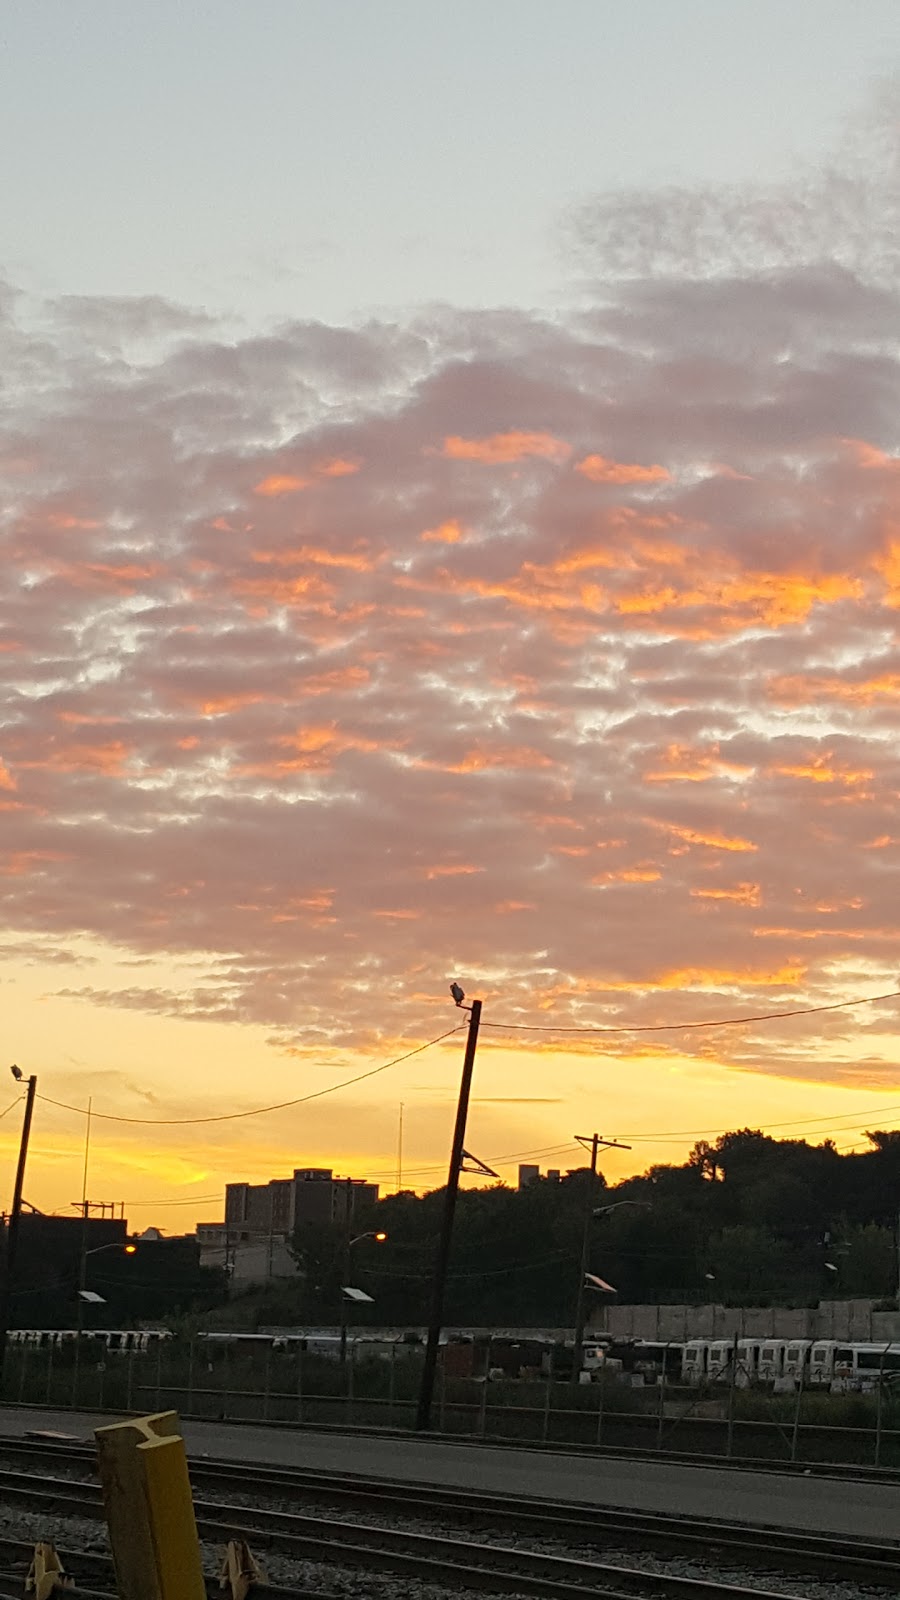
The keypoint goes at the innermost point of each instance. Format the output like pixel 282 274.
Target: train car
pixel 821 1362
pixel 747 1370
pixel 693 1361
pixel 771 1360
pixel 863 1367
pixel 795 1366
pixel 718 1360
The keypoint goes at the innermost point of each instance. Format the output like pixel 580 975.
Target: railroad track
pixel 587 1526
pixel 492 1567
pixel 95 1579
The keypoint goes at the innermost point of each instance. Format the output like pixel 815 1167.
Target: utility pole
pixel 439 1287
pixel 12 1226
pixel 593 1144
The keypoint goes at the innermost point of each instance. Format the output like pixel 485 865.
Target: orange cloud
pixel 801 688
pixel 22 863
pixel 498 449
pixel 337 467
pixel 681 764
pixel 280 483
pixel 109 759
pixel 629 875
pixel 778 599
pixel 446 533
pixel 460 871
pixel 743 894
pixel 481 759
pixel 220 705
pixel 820 770
pixel 711 840
pixel 599 470
pixel 7 781
pixel 504 908
pixel 728 977
pixel 317 556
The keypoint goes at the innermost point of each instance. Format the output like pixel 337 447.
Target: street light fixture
pixel 348 1293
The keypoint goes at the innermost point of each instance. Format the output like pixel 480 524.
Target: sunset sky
pixel 450 514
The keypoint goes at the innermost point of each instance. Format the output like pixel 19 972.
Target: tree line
pixel 748 1220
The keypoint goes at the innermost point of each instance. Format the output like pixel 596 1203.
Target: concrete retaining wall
pixel 855 1320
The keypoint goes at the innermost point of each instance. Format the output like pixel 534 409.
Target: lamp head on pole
pixel 16 1072
pixel 458 993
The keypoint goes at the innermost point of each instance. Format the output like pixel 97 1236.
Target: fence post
pixel 129 1382
pixel 878 1407
pixel 267 1383
pixel 190 1376
pixel 600 1398
pixel 442 1396
pixel 482 1420
pixel 76 1388
pixel 149 1509
pixel 226 1380
pixel 548 1397
pixel 300 1381
pixel 661 1414
pixel 795 1432
pixel 351 1374
pixel 392 1385
pixel 729 1441
pixel 49 1389
pixel 23 1368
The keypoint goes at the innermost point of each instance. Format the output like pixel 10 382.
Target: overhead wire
pixel 797 1122
pixel 254 1111
pixel 10 1106
pixel 674 1027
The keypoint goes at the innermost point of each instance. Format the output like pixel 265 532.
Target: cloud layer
pixel 559 654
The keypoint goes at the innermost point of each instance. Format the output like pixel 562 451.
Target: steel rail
pixel 488 1566
pixel 767 1548
pixel 95 1576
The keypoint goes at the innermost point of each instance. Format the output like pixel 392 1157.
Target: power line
pixel 256 1111
pixel 10 1106
pixel 668 1027
pixel 798 1122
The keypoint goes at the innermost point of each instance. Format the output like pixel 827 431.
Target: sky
pixel 449 512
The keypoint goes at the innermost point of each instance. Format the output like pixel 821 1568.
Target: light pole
pixel 15 1216
pixel 127 1249
pixel 345 1273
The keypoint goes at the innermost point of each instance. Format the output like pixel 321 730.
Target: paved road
pixel 768 1498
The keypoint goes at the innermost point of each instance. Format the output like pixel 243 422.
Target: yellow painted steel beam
pixel 150 1510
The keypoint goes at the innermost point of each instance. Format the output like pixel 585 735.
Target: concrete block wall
pixel 851 1320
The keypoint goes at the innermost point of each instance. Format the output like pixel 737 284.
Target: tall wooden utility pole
pixel 12 1226
pixel 593 1144
pixel 426 1392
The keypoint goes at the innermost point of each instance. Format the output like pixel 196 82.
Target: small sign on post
pixel 150 1510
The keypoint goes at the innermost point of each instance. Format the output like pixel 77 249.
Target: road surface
pixel 862 1509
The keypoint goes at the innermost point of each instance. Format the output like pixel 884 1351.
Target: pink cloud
pixel 353 702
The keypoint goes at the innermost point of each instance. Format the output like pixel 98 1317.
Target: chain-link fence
pixel 644 1412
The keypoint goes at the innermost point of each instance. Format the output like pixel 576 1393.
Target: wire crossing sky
pixel 450 529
